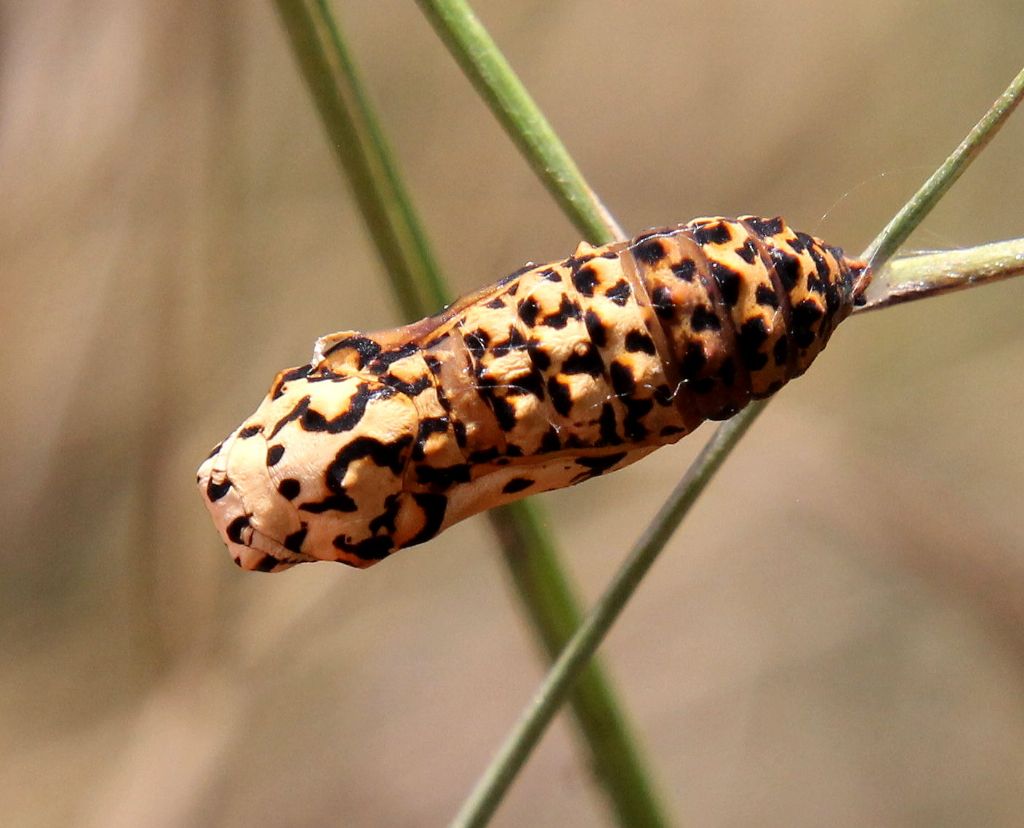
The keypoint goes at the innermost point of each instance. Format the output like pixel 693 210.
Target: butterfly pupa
pixel 553 375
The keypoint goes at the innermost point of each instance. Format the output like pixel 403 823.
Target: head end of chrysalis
pixel 235 491
pixel 316 473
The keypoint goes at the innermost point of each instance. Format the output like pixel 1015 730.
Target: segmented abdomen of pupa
pixel 553 375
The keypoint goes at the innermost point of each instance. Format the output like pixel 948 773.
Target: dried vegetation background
pixel 836 637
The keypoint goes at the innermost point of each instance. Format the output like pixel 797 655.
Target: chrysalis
pixel 554 375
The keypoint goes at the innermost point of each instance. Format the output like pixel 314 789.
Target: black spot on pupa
pixel 622 379
pixel 528 311
pixel 685 270
pixel 337 502
pixel 495 304
pixel 274 454
pixel 287 376
pixel 661 301
pixel 391 456
pixel 574 441
pixel 632 424
pixel 787 267
pixel 781 351
pixel 750 337
pixel 411 389
pixel 444 477
pixel 234 529
pixel 370 549
pixel 650 252
pixel 385 359
pixel 289 488
pixel 764 227
pixel 585 280
pixel 434 507
pixel 639 342
pixel 312 420
pixel 515 342
pixel 386 521
pixel 586 361
pixel 483 455
pixel 433 363
pixel 428 426
pixel 716 233
pixel 596 329
pixel 516 484
pixel 693 361
pixel 597 465
pixel 362 345
pixel 515 274
pixel 476 342
pixel 704 318
pixel 566 310
pixel 805 315
pixel 663 395
pixel 293 542
pixel 766 296
pixel 607 426
pixel 728 280
pixel 249 431
pixel 619 293
pixel 561 398
pixel 539 356
pixel 530 383
pixel 215 491
pixel 550 442
pixel 504 412
pixel 266 564
pixel 747 251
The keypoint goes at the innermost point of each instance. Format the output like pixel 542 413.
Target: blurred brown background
pixel 836 636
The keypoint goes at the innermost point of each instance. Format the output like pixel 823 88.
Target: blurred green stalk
pixel 528 549
pixel 356 138
pixel 520 742
pixel 910 278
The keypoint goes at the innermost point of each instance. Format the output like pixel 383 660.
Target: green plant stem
pixel 910 278
pixel 485 798
pixel 528 549
pixel 364 155
pixel 496 82
pixel 616 761
pixel 525 735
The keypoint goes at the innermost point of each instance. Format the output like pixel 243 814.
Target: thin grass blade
pixel 514 107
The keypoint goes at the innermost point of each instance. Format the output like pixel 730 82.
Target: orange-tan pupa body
pixel 553 375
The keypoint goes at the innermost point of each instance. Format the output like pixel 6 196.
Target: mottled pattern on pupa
pixel 553 375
